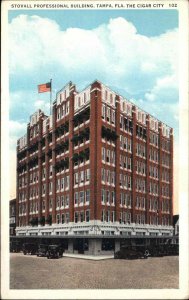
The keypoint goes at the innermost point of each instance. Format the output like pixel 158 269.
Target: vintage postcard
pixel 94 156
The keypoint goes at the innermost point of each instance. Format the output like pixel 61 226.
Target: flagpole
pixel 51 98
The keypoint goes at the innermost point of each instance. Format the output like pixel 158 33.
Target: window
pixel 43 173
pixel 108 155
pixel 81 197
pixel 103 196
pixel 62 183
pixel 50 187
pixel 43 189
pixel 113 216
pixel 107 197
pixel 87 175
pixel 113 197
pixel 58 219
pixel 113 157
pixel 57 202
pixel 113 178
pixel 108 176
pixel 103 112
pixel 76 216
pixel 58 185
pixel 87 215
pixel 76 178
pixel 103 216
pixel 63 219
pixel 67 200
pixel 76 197
pixel 62 201
pixel 87 196
pixel 103 154
pixel 103 174
pixel 108 114
pixel 82 216
pixel 113 117
pixel 50 203
pixel 81 176
pixel 67 217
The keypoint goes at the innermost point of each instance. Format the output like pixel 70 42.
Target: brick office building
pixel 98 166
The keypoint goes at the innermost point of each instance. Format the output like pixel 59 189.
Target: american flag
pixel 45 87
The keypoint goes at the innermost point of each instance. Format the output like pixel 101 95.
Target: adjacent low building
pixel 98 166
pixel 12 217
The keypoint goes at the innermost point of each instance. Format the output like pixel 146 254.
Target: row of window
pixel 141 150
pixel 154 188
pixel 63 110
pixel 108 114
pixel 165 190
pixel 166 145
pixel 125 162
pixel 165 175
pixel 107 197
pixel 82 177
pixel 125 199
pixel 108 155
pixel 165 159
pixel 141 167
pixel 140 185
pixel 34 131
pixel 154 172
pixel 154 139
pixel 126 124
pixel 61 201
pixel 62 184
pixel 125 217
pixel 82 216
pixel 107 216
pixel 125 181
pixel 108 176
pixel 140 202
pixel 125 143
pixel 82 197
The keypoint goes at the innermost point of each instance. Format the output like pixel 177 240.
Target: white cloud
pixel 114 50
pixel 16 130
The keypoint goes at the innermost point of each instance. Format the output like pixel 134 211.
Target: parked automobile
pixel 42 250
pixel 156 251
pixel 15 246
pixel 130 252
pixel 54 251
pixel 29 248
pixel 171 249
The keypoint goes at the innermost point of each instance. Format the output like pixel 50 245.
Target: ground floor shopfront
pixel 92 245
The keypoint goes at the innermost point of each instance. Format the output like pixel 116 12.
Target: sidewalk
pixel 90 257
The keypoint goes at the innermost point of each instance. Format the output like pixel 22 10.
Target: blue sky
pixel 147 22
pixel 134 52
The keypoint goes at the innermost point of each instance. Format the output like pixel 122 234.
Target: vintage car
pixel 42 250
pixel 29 248
pixel 54 251
pixel 15 246
pixel 156 250
pixel 130 252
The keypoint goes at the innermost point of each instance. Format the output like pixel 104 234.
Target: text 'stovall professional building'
pixel 98 166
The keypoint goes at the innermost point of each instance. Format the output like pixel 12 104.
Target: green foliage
pixel 49 219
pixel 109 134
pixel 42 221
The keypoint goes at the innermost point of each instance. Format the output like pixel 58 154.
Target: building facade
pixel 12 217
pixel 99 165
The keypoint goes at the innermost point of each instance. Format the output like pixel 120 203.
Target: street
pixel 32 272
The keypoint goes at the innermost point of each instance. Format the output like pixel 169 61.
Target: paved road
pixel 32 272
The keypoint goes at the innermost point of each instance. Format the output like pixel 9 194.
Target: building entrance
pixel 81 245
